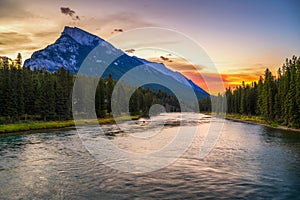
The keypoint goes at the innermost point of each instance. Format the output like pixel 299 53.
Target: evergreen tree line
pixel 275 98
pixel 34 95
pixel 139 103
pixel 39 95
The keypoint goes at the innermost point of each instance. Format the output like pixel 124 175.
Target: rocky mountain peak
pixel 80 36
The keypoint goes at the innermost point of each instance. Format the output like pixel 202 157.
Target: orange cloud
pixel 177 64
pixel 233 80
pixel 212 83
pixel 164 58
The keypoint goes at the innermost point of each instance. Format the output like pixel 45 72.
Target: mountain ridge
pixel 74 45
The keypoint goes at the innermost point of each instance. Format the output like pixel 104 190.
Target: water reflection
pixel 249 161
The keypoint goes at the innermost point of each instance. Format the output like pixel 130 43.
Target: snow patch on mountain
pixel 81 36
pixel 74 45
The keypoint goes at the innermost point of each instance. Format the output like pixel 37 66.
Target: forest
pixel 276 98
pixel 39 95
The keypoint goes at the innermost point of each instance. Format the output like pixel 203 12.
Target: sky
pixel 242 38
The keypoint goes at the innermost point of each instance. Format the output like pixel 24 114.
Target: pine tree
pixel 260 97
pixel 100 99
pixel 243 99
pixel 134 104
pixel 29 94
pixel 291 105
pixel 60 101
pixel 1 88
pixel 109 90
pixel 20 92
pixel 62 93
pixel 8 101
pixel 46 100
pixel 19 60
pixel 119 101
pixel 297 96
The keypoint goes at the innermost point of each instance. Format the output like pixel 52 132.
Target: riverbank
pixel 257 120
pixel 40 125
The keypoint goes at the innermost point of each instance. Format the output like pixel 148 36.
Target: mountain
pixel 73 46
pixel 68 51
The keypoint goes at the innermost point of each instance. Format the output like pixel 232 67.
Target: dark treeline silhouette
pixel 39 95
pixel 275 98
pixel 33 95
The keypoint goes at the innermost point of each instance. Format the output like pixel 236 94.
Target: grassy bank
pixel 41 125
pixel 257 120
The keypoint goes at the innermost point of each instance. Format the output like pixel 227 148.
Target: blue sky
pixel 241 37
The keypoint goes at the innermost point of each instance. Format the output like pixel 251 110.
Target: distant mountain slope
pixel 74 44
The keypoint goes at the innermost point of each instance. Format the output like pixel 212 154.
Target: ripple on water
pixel 247 163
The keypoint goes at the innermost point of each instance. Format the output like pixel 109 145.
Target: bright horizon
pixel 242 38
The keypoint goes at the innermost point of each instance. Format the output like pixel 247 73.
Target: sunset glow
pixel 241 38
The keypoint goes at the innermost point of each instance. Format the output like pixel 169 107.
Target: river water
pixel 247 162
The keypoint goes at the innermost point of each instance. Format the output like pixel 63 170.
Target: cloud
pixel 130 50
pixel 164 58
pixel 69 12
pixel 236 79
pixel 178 64
pixel 193 72
pixel 214 81
pixel 118 30
pixel 15 9
pixel 13 38
pixel 46 33
pixel 13 42
pixel 109 22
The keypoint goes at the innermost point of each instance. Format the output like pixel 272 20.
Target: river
pixel 247 162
